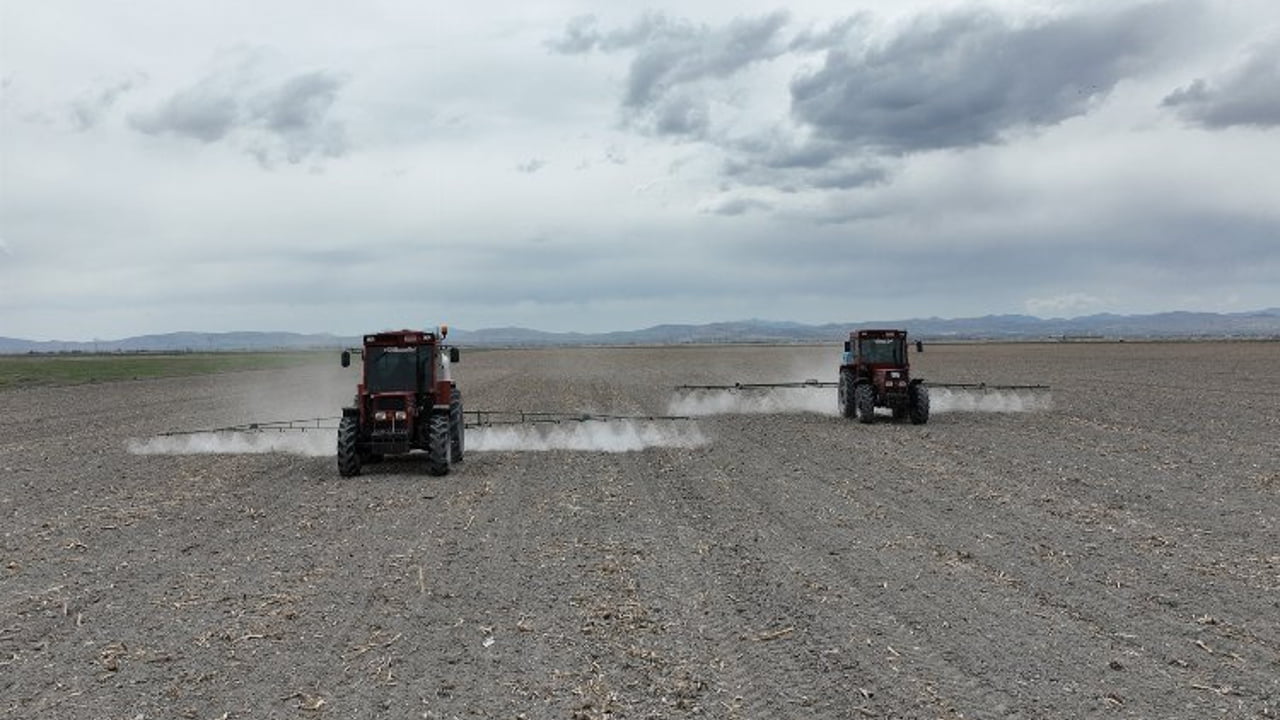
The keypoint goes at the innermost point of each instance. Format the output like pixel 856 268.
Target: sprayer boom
pixel 323 423
pixel 488 418
pixel 473 419
pixel 819 384
pixel 987 386
pixel 761 386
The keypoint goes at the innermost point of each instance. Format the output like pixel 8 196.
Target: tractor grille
pixel 388 403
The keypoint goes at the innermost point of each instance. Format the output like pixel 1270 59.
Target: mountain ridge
pixel 1180 324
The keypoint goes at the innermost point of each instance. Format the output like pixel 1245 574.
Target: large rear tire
pixel 919 404
pixel 439 447
pixel 457 425
pixel 348 450
pixel 865 398
pixel 845 403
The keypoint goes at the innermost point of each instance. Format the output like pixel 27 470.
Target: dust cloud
pixel 823 401
pixel 772 401
pixel 942 400
pixel 597 436
pixel 309 444
pixel 600 436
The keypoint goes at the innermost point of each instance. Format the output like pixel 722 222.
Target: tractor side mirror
pixel 346 358
pixel 454 355
pixel 848 346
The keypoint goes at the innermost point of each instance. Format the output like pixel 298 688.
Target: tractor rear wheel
pixel 845 404
pixel 439 448
pixel 919 404
pixel 457 425
pixel 865 398
pixel 348 452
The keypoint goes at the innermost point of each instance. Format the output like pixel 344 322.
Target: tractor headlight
pixel 380 415
pixel 401 415
pixel 895 375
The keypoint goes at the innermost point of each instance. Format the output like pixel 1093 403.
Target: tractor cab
pixel 877 348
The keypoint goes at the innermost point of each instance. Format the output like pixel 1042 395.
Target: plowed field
pixel 1115 554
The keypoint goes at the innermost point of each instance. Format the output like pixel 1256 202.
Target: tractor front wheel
pixel 348 452
pixel 439 447
pixel 919 404
pixel 864 397
pixel 846 405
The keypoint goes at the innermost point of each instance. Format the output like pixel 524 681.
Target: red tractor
pixel 405 401
pixel 874 372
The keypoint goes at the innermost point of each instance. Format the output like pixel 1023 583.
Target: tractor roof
pixel 877 333
pixel 400 338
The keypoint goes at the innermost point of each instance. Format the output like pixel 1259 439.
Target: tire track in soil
pixel 530 592
pixel 123 579
pixel 739 619
pixel 1112 544
pixel 557 549
pixel 995 600
pixel 843 651
pixel 1097 608
pixel 638 668
pixel 1131 524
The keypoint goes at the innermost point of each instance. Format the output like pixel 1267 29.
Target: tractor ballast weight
pixel 405 401
pixel 875 373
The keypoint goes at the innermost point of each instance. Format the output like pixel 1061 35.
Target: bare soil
pixel 1115 556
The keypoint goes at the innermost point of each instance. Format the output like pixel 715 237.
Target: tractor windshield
pixel 880 351
pixel 391 369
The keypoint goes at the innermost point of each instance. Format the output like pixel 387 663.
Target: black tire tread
pixel 439 449
pixel 865 398
pixel 846 404
pixel 348 446
pixel 919 411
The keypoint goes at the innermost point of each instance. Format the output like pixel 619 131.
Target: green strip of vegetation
pixel 77 369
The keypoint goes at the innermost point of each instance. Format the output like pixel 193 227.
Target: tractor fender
pixel 350 412
pixel 916 381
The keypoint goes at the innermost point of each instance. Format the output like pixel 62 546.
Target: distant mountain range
pixel 1170 325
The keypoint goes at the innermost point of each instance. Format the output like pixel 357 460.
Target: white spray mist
pixel 772 401
pixel 598 436
pixel 309 444
pixel 942 400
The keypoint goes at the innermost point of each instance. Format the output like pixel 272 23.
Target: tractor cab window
pixel 886 351
pixel 391 369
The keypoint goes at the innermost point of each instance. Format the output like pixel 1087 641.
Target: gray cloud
pixel 941 81
pixel 203 112
pixel 299 104
pixel 296 112
pixel 968 78
pixel 531 166
pixel 779 160
pixel 580 36
pixel 837 34
pixel 89 109
pixel 670 56
pixel 1247 95
pixel 288 120
pixel 738 206
pixel 682 115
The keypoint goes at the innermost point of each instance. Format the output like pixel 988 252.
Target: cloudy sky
pixel 330 166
